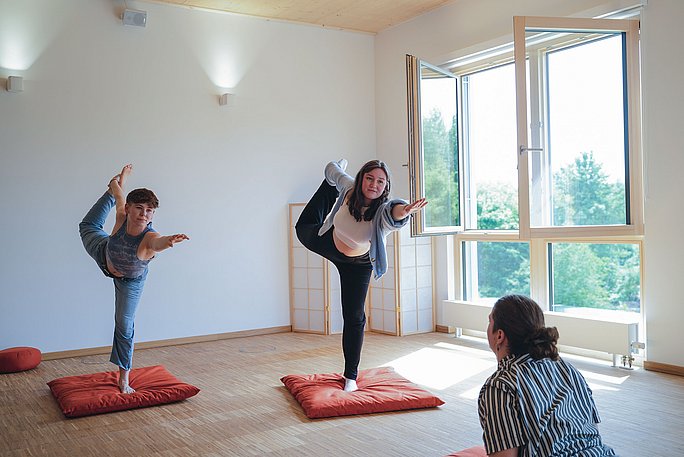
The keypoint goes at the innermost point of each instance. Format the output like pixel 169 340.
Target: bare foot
pixel 116 190
pixel 113 183
pixel 125 171
pixel 117 182
pixel 124 387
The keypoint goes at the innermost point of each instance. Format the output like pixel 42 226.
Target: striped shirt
pixel 542 407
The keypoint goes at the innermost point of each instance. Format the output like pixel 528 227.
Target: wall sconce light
pixel 15 84
pixel 134 17
pixel 226 99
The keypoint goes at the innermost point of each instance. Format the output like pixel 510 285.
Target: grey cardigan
pixel 382 223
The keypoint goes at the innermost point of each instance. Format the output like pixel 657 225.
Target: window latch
pixel 523 149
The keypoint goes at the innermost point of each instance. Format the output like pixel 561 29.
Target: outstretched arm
pixel 402 211
pixel 161 243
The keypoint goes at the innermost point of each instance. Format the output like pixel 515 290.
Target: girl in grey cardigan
pixel 346 221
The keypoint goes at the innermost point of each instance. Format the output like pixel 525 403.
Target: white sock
pixel 331 173
pixel 350 385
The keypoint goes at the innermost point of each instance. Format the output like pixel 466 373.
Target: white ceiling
pixel 369 16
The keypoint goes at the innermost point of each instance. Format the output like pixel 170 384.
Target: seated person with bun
pixel 535 404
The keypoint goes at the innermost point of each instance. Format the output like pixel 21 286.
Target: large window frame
pixel 538 237
pixel 630 28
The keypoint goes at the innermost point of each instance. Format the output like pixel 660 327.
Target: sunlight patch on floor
pixel 479 352
pixel 438 368
pixel 595 387
pixel 471 394
pixel 603 378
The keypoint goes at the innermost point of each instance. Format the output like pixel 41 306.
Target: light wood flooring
pixel 243 409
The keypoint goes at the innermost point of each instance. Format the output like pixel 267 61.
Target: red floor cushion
pixel 19 359
pixel 380 390
pixel 477 451
pixel 99 392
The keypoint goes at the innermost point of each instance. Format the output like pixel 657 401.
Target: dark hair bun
pixel 542 343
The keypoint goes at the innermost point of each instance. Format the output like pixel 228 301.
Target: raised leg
pixel 91 227
pixel 319 205
pixel 312 217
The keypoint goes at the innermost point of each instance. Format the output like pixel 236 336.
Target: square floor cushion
pixel 477 451
pixel 380 390
pixel 99 392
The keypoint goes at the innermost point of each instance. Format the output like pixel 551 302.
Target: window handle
pixel 523 149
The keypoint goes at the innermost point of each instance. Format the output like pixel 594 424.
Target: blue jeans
pixel 355 273
pixel 127 291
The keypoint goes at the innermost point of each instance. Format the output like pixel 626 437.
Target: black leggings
pixel 355 273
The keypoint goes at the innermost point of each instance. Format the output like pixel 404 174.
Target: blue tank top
pixel 122 251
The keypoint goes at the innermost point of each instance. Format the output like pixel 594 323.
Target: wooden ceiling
pixel 369 16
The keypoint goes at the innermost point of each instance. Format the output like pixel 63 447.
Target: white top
pixel 353 233
pixel 382 224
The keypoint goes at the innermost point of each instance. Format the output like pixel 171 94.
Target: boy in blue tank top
pixel 123 256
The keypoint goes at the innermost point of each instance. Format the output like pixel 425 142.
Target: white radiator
pixel 617 338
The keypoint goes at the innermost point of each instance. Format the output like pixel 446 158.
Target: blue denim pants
pixel 127 291
pixel 355 273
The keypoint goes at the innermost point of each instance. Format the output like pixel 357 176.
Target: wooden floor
pixel 243 409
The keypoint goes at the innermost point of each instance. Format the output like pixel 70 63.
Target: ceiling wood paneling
pixel 370 16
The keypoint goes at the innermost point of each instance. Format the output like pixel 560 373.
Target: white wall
pixel 464 26
pixel 99 94
pixel 663 99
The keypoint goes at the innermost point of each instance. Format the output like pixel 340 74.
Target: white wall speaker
pixel 134 17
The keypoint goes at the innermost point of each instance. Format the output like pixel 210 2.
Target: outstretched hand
pixel 177 238
pixel 159 243
pixel 400 212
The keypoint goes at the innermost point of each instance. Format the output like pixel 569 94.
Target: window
pixel 489 136
pixel 587 151
pixel 578 127
pixel 434 116
pixel 530 155
pixel 597 279
pixel 496 269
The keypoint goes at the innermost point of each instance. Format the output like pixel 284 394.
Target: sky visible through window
pixel 586 105
pixel 586 111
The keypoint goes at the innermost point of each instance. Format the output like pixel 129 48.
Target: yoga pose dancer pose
pixel 124 256
pixel 346 221
pixel 535 404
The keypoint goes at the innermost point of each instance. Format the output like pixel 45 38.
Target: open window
pixel 530 155
pixel 562 152
pixel 433 139
pixel 578 127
